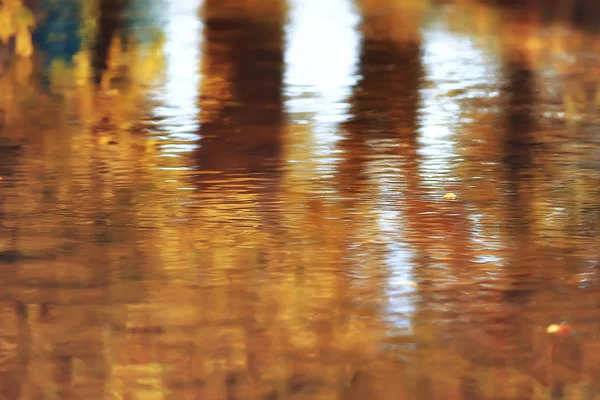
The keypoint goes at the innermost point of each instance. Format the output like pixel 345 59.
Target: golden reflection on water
pixel 253 208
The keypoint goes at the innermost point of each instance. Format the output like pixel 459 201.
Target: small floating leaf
pixel 553 328
pixel 562 329
pixel 449 196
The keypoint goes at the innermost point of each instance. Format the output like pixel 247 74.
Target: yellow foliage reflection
pixel 17 20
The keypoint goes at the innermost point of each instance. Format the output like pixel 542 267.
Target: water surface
pixel 247 202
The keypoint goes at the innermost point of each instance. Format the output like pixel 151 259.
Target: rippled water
pixel 249 204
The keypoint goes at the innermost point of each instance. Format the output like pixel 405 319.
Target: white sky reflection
pixel 179 95
pixel 322 48
pixel 451 61
pixel 321 55
pixel 398 257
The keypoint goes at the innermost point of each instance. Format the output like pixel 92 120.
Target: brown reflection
pixel 391 20
pixel 384 105
pixel 533 157
pixel 219 332
pixel 384 108
pixel 586 13
pixel 240 94
pixel 518 161
pixel 518 143
pixel 385 101
pixel 110 20
pixel 382 133
pixel 581 13
pixel 15 349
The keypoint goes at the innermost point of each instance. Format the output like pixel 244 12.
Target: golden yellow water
pixel 303 200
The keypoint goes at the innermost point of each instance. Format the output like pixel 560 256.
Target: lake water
pixel 252 200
